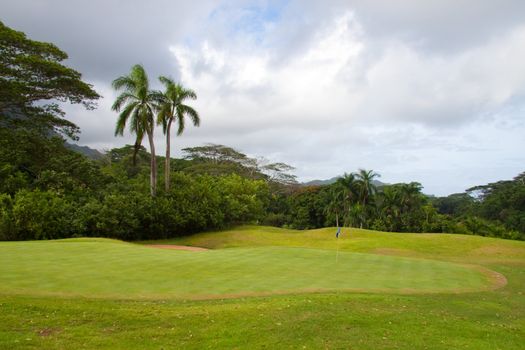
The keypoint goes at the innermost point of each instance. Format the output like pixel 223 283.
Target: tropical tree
pixel 411 196
pixel 367 188
pixel 336 202
pixel 389 207
pixel 136 105
pixel 32 80
pixel 367 191
pixel 401 207
pixel 357 215
pixel 345 186
pixel 172 108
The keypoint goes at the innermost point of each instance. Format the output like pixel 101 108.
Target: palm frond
pixel 123 118
pixel 181 124
pixel 121 100
pixel 164 116
pixel 167 81
pixel 157 98
pixel 184 110
pixel 138 74
pixel 135 125
pixel 171 105
pixel 187 94
pixel 124 83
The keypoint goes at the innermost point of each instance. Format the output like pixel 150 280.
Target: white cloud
pixel 343 102
pixel 407 85
pixel 429 91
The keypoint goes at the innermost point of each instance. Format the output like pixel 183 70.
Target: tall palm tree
pixel 136 105
pixel 367 189
pixel 172 108
pixel 365 179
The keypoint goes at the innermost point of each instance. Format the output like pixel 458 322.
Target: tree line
pixel 354 200
pixel 49 191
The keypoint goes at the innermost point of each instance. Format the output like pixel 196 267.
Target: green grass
pixel 115 295
pixel 436 246
pixel 117 270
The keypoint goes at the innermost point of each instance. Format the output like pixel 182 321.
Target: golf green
pixel 112 269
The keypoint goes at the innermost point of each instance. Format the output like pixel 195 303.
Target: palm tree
pixel 137 103
pixel 139 132
pixel 365 179
pixel 357 214
pixel 172 109
pixel 347 186
pixel 336 201
pixel 367 189
pixel 389 207
pixel 410 195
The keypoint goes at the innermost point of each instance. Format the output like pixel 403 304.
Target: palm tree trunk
pixel 153 172
pixel 135 151
pixel 167 168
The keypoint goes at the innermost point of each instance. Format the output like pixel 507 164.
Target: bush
pixel 241 199
pixel 42 215
pixel 275 219
pixel 117 215
pixel 7 227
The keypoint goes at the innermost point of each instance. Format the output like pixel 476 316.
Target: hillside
pixel 452 247
pixel 85 150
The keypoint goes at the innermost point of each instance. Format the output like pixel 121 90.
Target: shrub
pixel 42 215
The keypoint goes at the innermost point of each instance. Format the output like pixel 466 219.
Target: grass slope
pixel 478 320
pixel 435 246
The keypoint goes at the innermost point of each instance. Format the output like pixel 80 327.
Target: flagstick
pixel 337 254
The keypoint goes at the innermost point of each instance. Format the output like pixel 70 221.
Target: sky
pixel 427 91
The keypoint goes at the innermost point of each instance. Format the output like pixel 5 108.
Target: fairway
pixel 113 269
pixel 263 287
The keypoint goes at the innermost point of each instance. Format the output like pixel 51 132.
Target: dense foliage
pixel 32 79
pixel 55 192
pixel 49 191
pixel 495 210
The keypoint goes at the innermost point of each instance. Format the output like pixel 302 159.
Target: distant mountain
pixel 377 183
pixel 17 115
pixel 85 150
pixel 321 182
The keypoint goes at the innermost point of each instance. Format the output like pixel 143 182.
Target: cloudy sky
pixel 428 91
